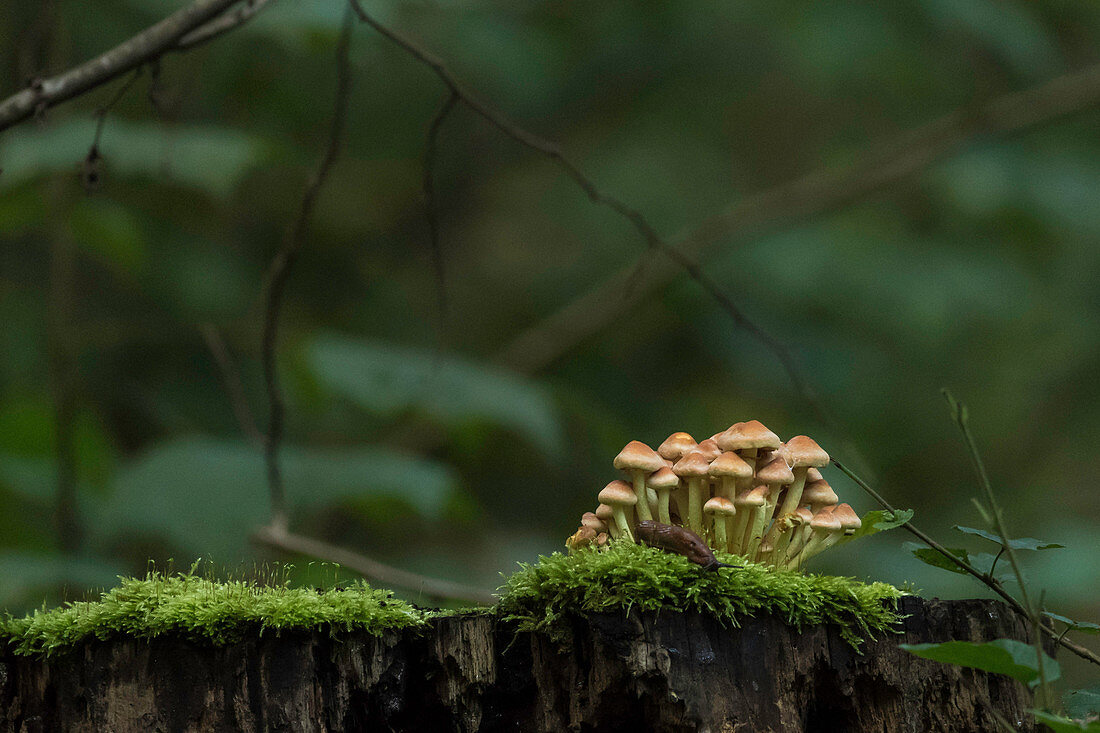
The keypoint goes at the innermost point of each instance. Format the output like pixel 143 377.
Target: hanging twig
pixel 430 211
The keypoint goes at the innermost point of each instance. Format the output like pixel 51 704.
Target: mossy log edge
pixel 471 672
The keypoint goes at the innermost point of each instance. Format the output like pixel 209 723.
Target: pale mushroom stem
pixel 721 539
pixel 790 503
pixel 622 522
pixel 754 535
pixel 663 513
pixel 642 507
pixel 737 534
pixel 695 504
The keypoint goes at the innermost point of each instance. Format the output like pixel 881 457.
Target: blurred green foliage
pixel 981 274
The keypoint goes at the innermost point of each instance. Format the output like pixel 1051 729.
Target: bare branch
pixel 279 272
pixel 231 381
pixel 372 569
pixel 221 24
pixel 136 51
pixel 814 194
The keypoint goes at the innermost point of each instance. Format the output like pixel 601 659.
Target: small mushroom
pixel 693 469
pixel 663 481
pixel 824 525
pixel 747 438
pixel 639 460
pixel 775 474
pixel 675 446
pixel 802 454
pixel 607 515
pixel 730 469
pixel 583 537
pixel 590 520
pixel 750 506
pixel 620 497
pixel 799 536
pixel 722 510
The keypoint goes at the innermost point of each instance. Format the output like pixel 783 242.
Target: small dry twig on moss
pixel 279 272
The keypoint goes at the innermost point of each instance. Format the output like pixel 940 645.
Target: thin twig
pixel 430 211
pixel 279 272
pixel 149 44
pixel 222 24
pixel 93 160
pixel 819 192
pixel 990 582
pixel 231 381
pixel 597 196
pixel 386 574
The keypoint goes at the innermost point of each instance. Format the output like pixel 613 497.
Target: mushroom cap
pixel 776 471
pixel 824 519
pixel 709 448
pixel 804 451
pixel 756 497
pixel 602 539
pixel 692 465
pixel 812 474
pixel 590 520
pixel 581 538
pixel 767 455
pixel 618 493
pixel 847 517
pixel 605 513
pixel 819 492
pixel 663 478
pixel 639 457
pixel 804 514
pixel 676 445
pixel 730 464
pixel 720 506
pixel 745 435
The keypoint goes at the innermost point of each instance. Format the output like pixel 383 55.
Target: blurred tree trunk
pixel 670 672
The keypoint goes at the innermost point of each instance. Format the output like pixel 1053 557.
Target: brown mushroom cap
pixel 747 435
pixel 756 497
pixel 618 493
pixel 638 456
pixel 819 493
pixel 590 520
pixel 709 448
pixel 663 478
pixel 774 472
pixel 581 538
pixel 804 451
pixel 846 515
pixel 605 514
pixel 804 515
pixel 825 520
pixel 730 464
pixel 720 506
pixel 812 474
pixel 692 465
pixel 675 446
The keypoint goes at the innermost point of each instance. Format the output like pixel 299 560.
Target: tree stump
pixel 471 672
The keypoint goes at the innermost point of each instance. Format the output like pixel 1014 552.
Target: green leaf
pixel 878 520
pixel 210 159
pixel 387 380
pixel 1087 627
pixel 1062 724
pixel 934 558
pixel 1082 703
pixel 1024 543
pixel 206 495
pixel 1001 656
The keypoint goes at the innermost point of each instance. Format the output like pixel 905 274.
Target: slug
pixel 679 540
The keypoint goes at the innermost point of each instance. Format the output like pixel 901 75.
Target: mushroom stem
pixel 721 539
pixel 695 504
pixel 642 507
pixel 754 536
pixel 663 514
pixel 622 523
pixel 790 503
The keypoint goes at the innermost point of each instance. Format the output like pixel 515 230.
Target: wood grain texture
pixel 672 672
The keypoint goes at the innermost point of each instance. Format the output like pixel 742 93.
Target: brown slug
pixel 678 540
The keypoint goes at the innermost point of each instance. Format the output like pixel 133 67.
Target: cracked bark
pixel 667 672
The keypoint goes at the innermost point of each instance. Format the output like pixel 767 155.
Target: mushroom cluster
pixel 743 490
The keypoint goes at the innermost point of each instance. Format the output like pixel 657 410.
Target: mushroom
pixel 619 496
pixel 709 448
pixel 748 438
pixel 849 522
pixel 824 525
pixel 802 454
pixel 775 473
pixel 607 515
pixel 731 470
pixel 750 505
pixel 602 539
pixel 639 460
pixel 663 481
pixel 675 446
pixel 722 510
pixel 693 468
pixel 798 537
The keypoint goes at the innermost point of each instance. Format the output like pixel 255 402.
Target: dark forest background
pixel 409 438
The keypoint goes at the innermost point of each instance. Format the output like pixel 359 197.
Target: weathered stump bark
pixel 670 672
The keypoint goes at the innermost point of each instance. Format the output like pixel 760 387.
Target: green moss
pixel 540 597
pixel 206 611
